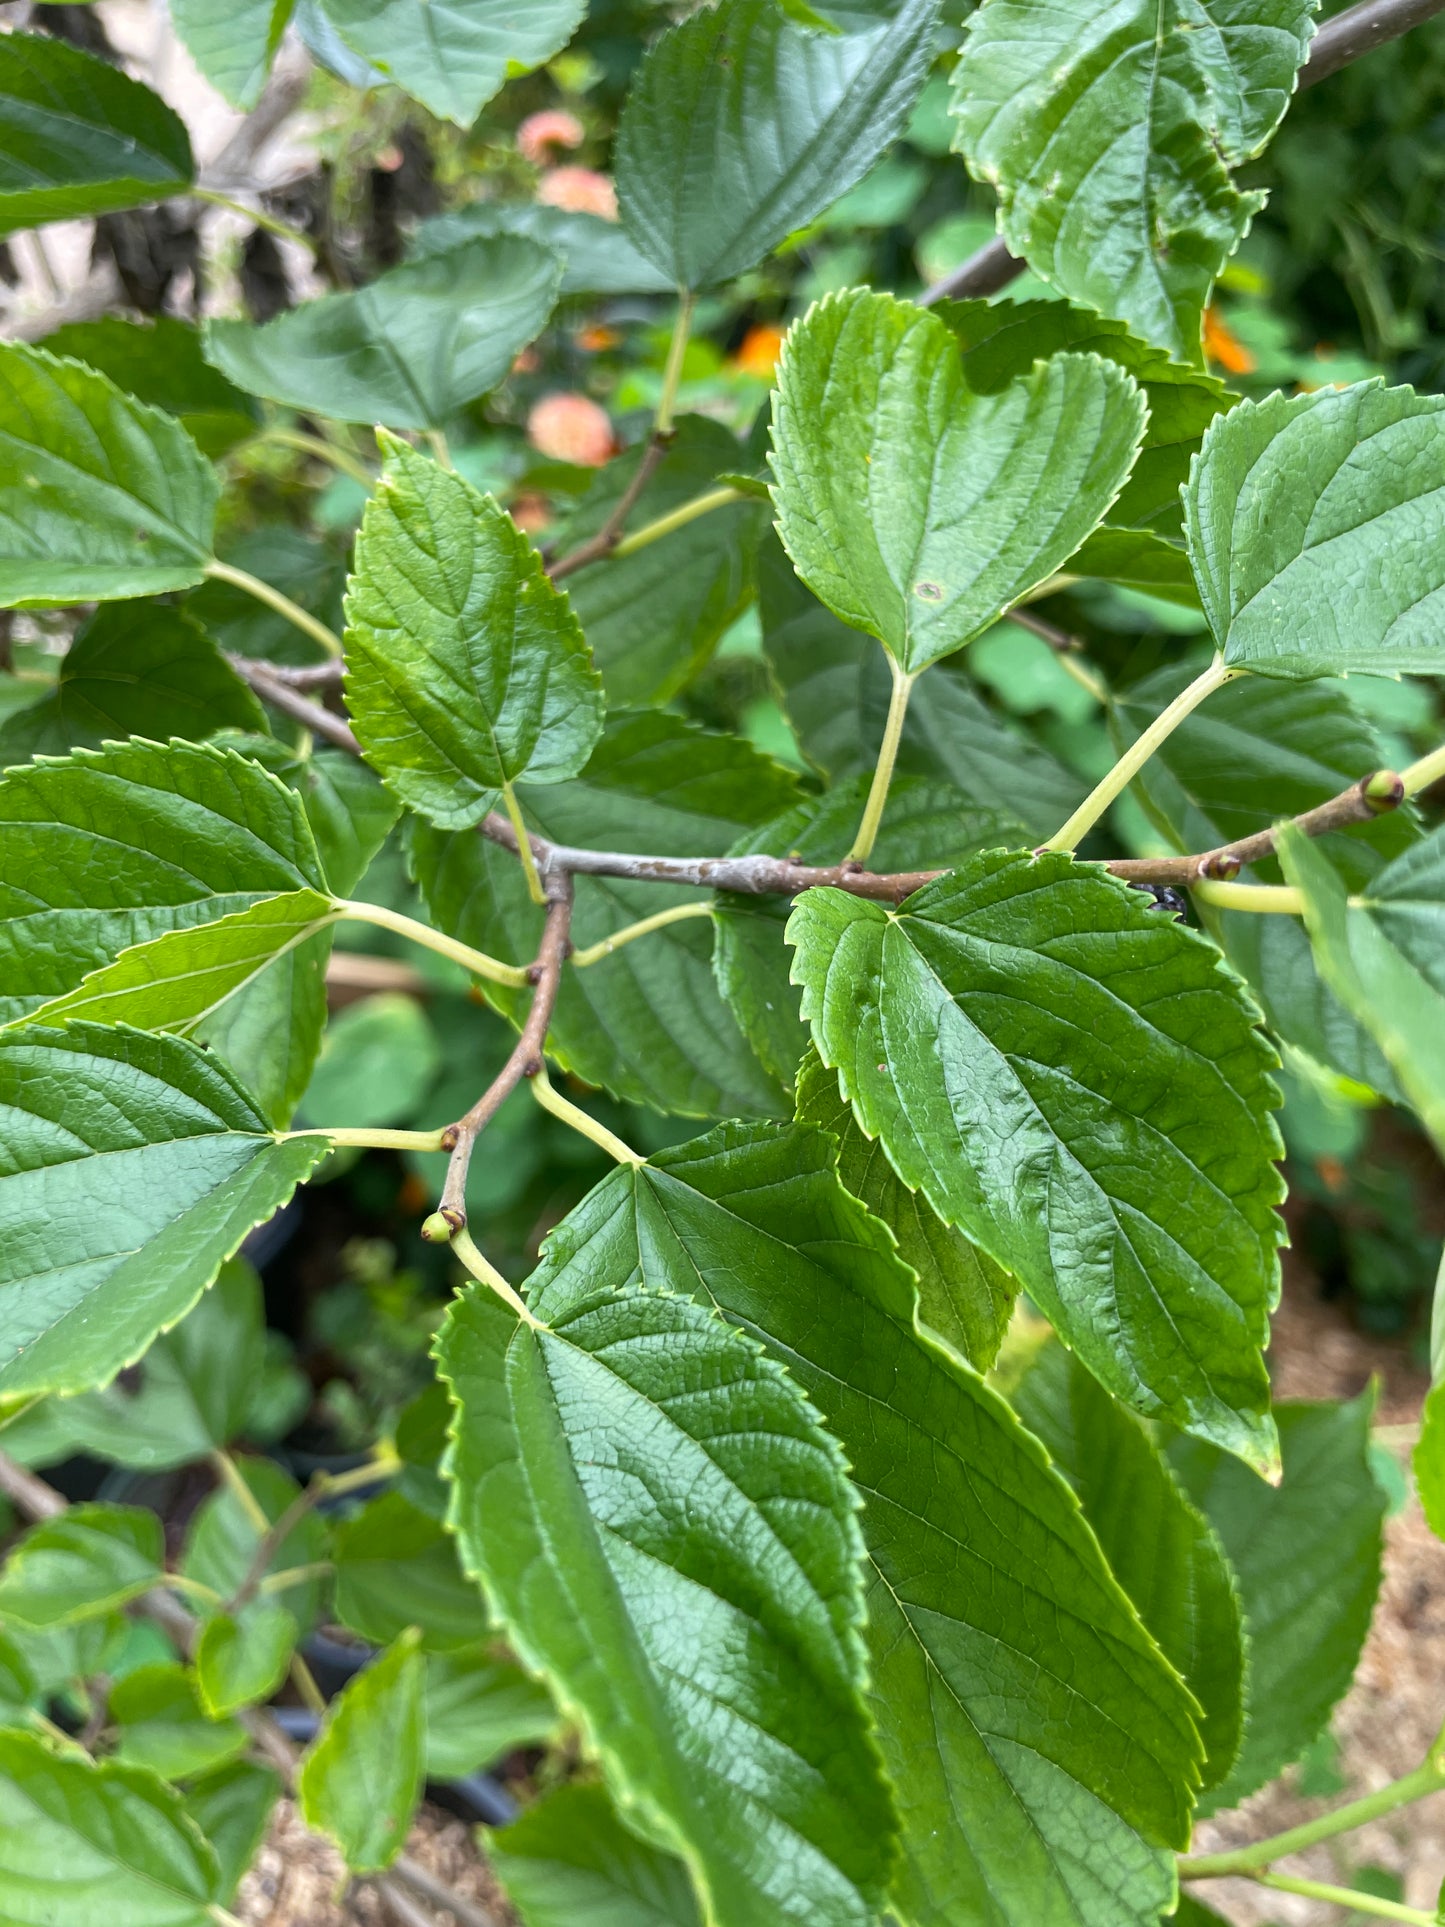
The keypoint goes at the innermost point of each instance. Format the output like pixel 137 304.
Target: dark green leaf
pixel 240 1662
pixel 101 497
pixel 395 1567
pixel 741 126
pixel 597 256
pixel 480 1708
pixel 1137 559
pixel 570 1862
pixel 311 571
pixel 159 361
pixel 1306 1555
pixel 231 1808
pixel 233 45
pixel 377 1062
pixel 81 1565
pixel 164 1726
pixel 408 349
pixel 78 136
pixel 916 509
pixel 454 57
pixel 362 1775
pixel 1077 1083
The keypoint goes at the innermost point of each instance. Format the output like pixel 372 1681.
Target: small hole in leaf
pixel 928 591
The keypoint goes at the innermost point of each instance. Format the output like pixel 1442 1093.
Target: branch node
pixel 439 1228
pixel 1383 792
pixel 1221 867
pixel 450 1136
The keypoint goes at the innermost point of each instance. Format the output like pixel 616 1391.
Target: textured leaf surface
pixel 700 1608
pixel 1306 1555
pixel 362 1776
pixel 1028 1723
pixel 916 509
pixel 159 361
pixel 409 348
pixel 741 126
pixel 81 1565
pixel 480 1708
pixel 1316 526
pixel 79 137
pixel 454 56
pixel 100 497
pixel 1108 130
pixel 241 1662
pixel 1077 1084
pixel 646 1023
pixel 598 256
pixel 82 1843
pixel 164 1726
pixel 1160 1547
pixel 465 668
pixel 133 1167
pixel 570 1862
pixel 233 45
pixel 395 1567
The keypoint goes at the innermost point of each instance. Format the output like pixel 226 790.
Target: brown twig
pixel 281 695
pixel 1372 796
pixel 308 675
pixel 597 547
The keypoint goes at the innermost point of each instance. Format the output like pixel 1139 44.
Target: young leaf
pixel 570 1862
pixel 81 1565
pixel 159 361
pixel 741 126
pixel 362 1776
pixel 670 1537
pixel 223 1542
pixel 164 1726
pixel 1160 1548
pixel 1316 526
pixel 916 509
pixel 134 669
pixel 1306 1555
pixel 465 668
pixel 1108 132
pixel 79 137
pixel 409 348
pixel 81 1843
pixel 1019 1789
pixel 394 1568
pixel 648 1023
pixel 233 45
pixel 134 1166
pixel 454 58
pixel 1077 1083
pixel 231 1808
pixel 241 1662
pixel 101 498
pixel 480 1708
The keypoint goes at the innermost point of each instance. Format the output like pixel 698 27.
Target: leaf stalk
pixel 581 1121
pixel 476 961
pixel 883 771
pixel 678 518
pixel 1271 898
pixel 1255 1858
pixel 524 847
pixel 679 913
pixel 283 605
pixel 487 1274
pixel 1430 769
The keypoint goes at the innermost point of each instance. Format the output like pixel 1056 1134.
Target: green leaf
pixel 570 1862
pixel 916 509
pixel 479 1709
pixel 1316 525
pixel 1379 955
pixel 159 361
pixel 1160 1548
pixel 465 668
pixel 647 1023
pixel 377 1062
pixel 597 256
pixel 79 137
pixel 305 566
pixel 233 46
pixel 81 1843
pixel 164 1726
pixel 962 1294
pixel 1108 133
pixel 223 1541
pixel 1029 1724
pixel 101 497
pixel 1137 559
pixel 1077 1083
pixel 1193 1913
pixel 81 1565
pixel 110 849
pixel 454 57
pixel 1306 1556
pixel 18 1684
pixel 241 1662
pixel 409 348
pixel 394 1568
pixel 1429 1459
pixel 134 669
pixel 670 1537
pixel 741 126
pixel 231 1808
pixel 654 618
pixel 362 1776
pixel 134 1166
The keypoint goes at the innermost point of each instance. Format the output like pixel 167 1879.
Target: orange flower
pixel 758 354
pixel 1223 347
pixel 594 339
pixel 581 190
pixel 531 513
pixel 540 133
pixel 570 428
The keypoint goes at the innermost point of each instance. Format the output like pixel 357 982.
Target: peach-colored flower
pixel 759 350
pixel 540 133
pixel 570 428
pixel 581 190
pixel 526 362
pixel 530 512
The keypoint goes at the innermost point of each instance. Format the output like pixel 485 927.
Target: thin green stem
pixel 324 451
pixel 524 848
pixel 1429 1778
pixel 51 1731
pixel 192 1589
pixel 883 772
pixel 1346 1897
pixel 672 370
pixel 294 1576
pixel 1277 899
pixel 476 961
pixel 283 229
pixel 1137 755
pixel 230 1475
pixel 487 1274
pixel 1085 678
pixel 220 1916
pixel 283 605
pixel 436 441
pixel 585 1125
pixel 304 1680
pixel 678 518
pixel 362 1137
pixel 679 913
pixel 1430 769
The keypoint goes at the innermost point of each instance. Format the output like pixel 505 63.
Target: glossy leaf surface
pixel 454 56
